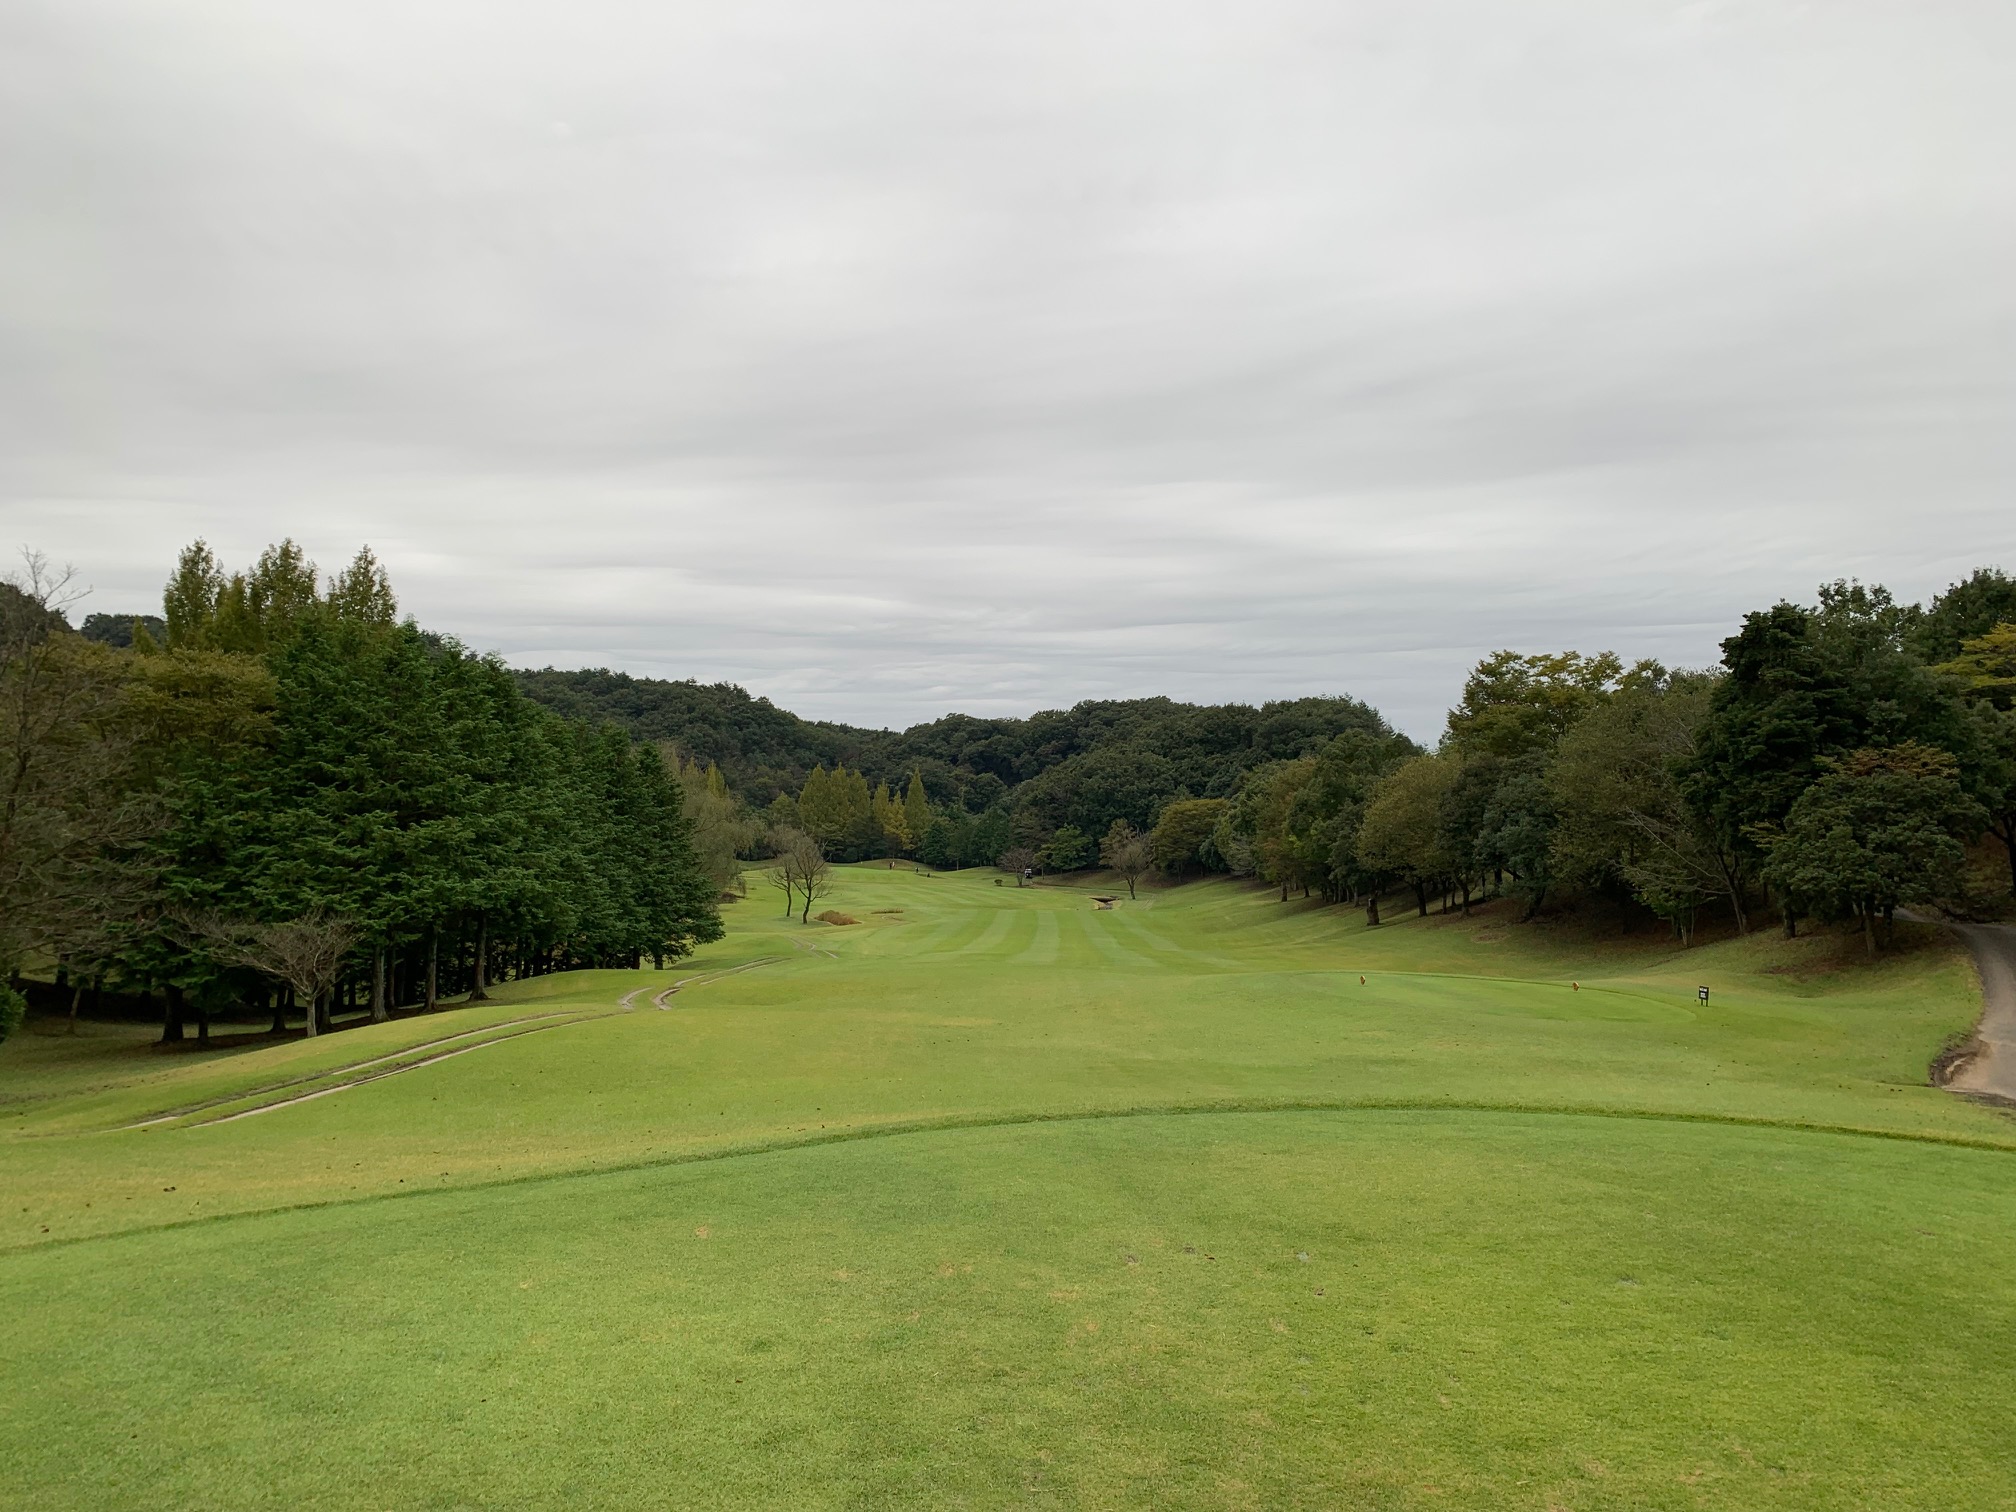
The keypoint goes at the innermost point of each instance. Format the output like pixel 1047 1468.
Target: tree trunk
pixel 203 1022
pixel 1869 929
pixel 379 1012
pixel 171 1016
pixel 1533 908
pixel 433 968
pixel 76 998
pixel 1732 884
pixel 283 999
pixel 1372 910
pixel 1421 900
pixel 480 991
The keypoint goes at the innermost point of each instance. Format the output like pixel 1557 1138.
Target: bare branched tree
pixel 1127 852
pixel 815 877
pixel 70 818
pixel 1020 860
pixel 306 953
pixel 783 875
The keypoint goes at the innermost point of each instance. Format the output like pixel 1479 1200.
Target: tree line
pixel 1845 759
pixel 282 794
pixel 279 791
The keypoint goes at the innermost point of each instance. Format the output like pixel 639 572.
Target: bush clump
pixel 13 1009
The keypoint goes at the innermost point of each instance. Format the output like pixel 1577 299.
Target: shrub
pixel 13 1009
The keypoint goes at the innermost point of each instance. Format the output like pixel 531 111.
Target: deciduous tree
pixel 307 953
pixel 1127 852
pixel 1182 830
pixel 1877 829
pixel 1069 849
pixel 1020 860
pixel 815 877
pixel 1401 836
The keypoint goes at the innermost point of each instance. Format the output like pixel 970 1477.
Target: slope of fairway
pixel 956 1001
pixel 995 1198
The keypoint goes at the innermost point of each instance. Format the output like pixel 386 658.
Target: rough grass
pixel 1572 1239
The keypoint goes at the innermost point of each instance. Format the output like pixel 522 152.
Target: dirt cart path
pixel 1993 1070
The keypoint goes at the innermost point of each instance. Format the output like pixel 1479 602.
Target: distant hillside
pixel 1202 749
pixel 117 629
pixel 760 748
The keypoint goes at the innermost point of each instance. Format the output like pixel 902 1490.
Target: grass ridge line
pixel 954 1123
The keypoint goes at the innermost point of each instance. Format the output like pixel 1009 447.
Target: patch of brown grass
pixel 834 916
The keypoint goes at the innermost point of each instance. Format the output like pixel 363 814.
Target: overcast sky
pixel 895 358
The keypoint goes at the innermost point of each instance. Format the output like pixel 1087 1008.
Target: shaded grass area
pixel 1493 1311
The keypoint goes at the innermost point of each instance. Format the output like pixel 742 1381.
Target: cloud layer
pixel 892 358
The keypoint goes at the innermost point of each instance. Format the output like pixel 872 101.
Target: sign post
pixel 1702 993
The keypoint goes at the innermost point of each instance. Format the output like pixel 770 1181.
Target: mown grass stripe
pixel 1107 947
pixel 1042 949
pixel 994 934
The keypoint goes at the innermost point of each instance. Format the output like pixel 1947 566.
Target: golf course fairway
pixel 999 1198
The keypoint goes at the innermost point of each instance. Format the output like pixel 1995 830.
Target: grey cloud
pixel 891 358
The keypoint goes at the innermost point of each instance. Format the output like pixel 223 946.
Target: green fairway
pixel 995 1198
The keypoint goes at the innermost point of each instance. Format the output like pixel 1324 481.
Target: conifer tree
pixel 233 625
pixel 815 805
pixel 916 811
pixel 890 820
pixel 281 591
pixel 189 602
pixel 362 593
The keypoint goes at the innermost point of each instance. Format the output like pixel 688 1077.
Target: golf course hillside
pixel 1000 1196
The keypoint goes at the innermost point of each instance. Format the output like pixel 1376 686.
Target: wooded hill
pixel 1201 750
